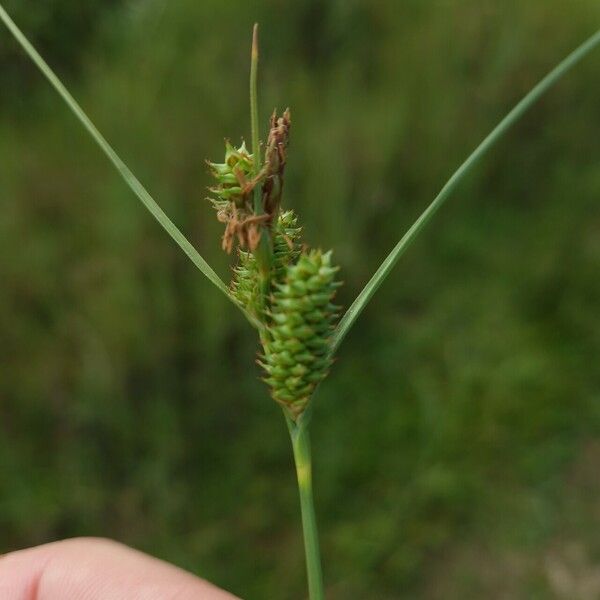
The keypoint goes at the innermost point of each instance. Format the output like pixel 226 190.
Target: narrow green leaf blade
pixel 387 265
pixel 129 178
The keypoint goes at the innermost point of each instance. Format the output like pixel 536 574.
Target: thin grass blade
pixel 129 178
pixel 387 265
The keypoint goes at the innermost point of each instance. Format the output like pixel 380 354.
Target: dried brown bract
pixel 275 161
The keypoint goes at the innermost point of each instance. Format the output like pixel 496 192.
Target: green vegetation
pixel 452 451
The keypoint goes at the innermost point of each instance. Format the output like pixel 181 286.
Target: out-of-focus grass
pixel 453 436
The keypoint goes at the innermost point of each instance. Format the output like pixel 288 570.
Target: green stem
pixel 302 459
pixel 264 251
pixel 254 100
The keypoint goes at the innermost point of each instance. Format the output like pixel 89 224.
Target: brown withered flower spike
pixel 275 161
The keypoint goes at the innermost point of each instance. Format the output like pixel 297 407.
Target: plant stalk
pixel 302 459
pixel 254 100
pixel 264 251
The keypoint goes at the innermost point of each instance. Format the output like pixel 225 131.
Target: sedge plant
pixel 285 289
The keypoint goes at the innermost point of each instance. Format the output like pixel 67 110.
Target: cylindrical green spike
pixel 302 317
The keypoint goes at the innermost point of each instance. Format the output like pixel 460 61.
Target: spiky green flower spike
pixel 286 249
pixel 297 354
pixel 232 174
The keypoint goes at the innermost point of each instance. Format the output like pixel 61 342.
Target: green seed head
pixel 232 174
pixel 297 355
pixel 245 285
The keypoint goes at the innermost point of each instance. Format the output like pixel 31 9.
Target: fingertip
pixel 97 568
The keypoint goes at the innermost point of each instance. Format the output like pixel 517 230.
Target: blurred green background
pixel 457 441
